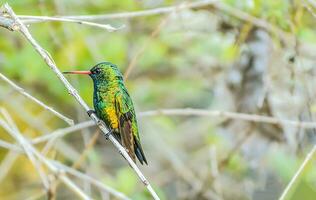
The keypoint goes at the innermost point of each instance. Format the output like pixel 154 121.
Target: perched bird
pixel 114 106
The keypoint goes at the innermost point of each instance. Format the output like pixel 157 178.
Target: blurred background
pixel 255 57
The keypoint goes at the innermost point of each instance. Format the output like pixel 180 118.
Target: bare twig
pixel 7 23
pixel 309 9
pixel 86 150
pixel 236 147
pixel 34 19
pixel 7 163
pixel 53 136
pixel 31 152
pixel 143 13
pixel 312 2
pixel 183 112
pixel 89 179
pixel 23 92
pixel 10 146
pixel 143 47
pixel 74 172
pixel 153 34
pixel 309 158
pixel 61 132
pixel 164 10
pixel 227 114
pixel 43 53
pixel 77 164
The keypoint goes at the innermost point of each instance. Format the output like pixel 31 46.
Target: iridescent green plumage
pixel 114 106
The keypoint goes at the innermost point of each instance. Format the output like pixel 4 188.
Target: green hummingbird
pixel 114 106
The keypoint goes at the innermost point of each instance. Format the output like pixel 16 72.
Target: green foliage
pixel 187 64
pixel 126 180
pixel 286 167
pixel 283 164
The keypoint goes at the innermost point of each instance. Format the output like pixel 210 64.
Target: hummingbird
pixel 114 106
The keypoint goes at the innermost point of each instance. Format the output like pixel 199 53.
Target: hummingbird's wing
pixel 128 126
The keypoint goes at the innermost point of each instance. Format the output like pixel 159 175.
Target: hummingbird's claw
pixel 108 133
pixel 90 112
pixel 99 122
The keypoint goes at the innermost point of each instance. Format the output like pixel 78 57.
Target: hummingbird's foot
pixel 89 112
pixel 108 133
pixel 100 122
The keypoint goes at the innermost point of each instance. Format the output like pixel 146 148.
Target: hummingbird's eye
pixel 97 71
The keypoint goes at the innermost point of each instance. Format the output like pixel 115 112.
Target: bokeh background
pixel 254 57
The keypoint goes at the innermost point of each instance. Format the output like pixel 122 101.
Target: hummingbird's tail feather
pixel 127 137
pixel 139 152
pixel 124 142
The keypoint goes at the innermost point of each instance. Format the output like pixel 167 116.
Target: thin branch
pixel 141 50
pixel 309 158
pixel 36 19
pixel 70 170
pixel 31 152
pixel 227 114
pixel 7 23
pixel 43 53
pixel 8 118
pixel 40 103
pixel 79 161
pixel 309 9
pixel 312 2
pixel 11 147
pixel 86 150
pixel 53 137
pixel 182 112
pixel 7 163
pixel 164 10
pixel 62 132
pixel 236 147
pixel 73 186
pixel 89 179
pixel 142 13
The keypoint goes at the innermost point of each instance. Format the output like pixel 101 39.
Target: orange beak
pixel 77 72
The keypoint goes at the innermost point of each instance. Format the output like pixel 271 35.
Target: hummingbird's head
pixel 104 71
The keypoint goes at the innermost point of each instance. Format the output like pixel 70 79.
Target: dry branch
pixel 124 15
pixel 74 172
pixel 61 132
pixel 6 23
pixel 230 115
pixel 32 152
pixel 30 19
pixel 287 38
pixel 164 10
pixel 89 179
pixel 309 158
pixel 183 112
pixel 55 166
pixel 6 164
pixel 29 154
pixel 11 147
pixel 47 58
pixel 141 50
pixel 27 95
